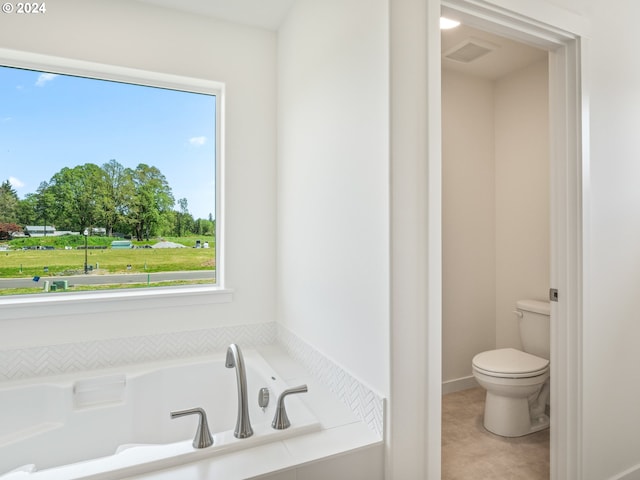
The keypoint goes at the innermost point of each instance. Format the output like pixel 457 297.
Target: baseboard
pixel 459 384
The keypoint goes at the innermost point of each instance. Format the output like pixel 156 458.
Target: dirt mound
pixel 165 244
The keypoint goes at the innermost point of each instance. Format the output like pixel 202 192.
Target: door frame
pixel 568 184
pixel 416 234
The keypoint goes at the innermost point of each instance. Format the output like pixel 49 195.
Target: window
pixel 109 179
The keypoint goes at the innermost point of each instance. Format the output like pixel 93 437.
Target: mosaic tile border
pixel 367 405
pixel 73 357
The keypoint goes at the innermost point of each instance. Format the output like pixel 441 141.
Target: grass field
pixel 29 263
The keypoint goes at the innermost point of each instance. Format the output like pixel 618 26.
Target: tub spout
pixel 243 424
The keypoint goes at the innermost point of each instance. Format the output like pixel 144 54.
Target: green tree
pixel 152 201
pixel 8 203
pixel 184 220
pixel 204 227
pixel 78 193
pixel 45 207
pixel 118 194
pixel 189 224
pixel 27 210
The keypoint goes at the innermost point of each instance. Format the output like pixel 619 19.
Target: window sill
pixel 43 305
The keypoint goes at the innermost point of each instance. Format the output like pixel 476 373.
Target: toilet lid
pixel 510 363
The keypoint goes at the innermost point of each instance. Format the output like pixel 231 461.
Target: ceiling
pixel 267 14
pixel 270 14
pixel 507 56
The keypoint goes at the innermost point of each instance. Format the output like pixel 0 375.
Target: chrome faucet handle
pixel 281 420
pixel 203 438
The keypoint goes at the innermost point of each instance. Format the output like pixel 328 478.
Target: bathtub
pixel 114 423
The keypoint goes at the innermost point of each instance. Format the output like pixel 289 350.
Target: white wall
pixel 132 34
pixel 468 222
pixel 522 195
pixel 333 182
pixel 612 330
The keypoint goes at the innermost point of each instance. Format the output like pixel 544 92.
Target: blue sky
pixel 50 121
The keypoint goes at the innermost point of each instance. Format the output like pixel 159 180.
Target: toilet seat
pixel 510 363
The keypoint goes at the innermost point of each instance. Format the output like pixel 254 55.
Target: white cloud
pixel 15 182
pixel 198 141
pixel 44 78
pixel 5 119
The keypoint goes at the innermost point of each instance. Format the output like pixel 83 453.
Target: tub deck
pixel 344 448
pixel 322 427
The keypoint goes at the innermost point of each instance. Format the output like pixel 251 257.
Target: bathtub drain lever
pixel 263 398
pixel 203 438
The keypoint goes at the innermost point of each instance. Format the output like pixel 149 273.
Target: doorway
pixel 495 233
pixel 415 400
pixel 567 159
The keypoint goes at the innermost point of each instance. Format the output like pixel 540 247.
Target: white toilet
pixel 517 382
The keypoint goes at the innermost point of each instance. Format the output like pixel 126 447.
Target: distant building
pixel 39 230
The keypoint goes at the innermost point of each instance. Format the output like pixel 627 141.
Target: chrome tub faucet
pixel 234 359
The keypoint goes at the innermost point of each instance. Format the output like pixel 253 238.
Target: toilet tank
pixel 535 326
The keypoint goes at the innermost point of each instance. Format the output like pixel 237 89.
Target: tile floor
pixel 471 452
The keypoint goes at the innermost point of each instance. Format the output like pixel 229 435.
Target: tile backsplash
pixel 367 405
pixel 73 357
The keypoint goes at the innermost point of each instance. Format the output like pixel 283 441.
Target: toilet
pixel 517 382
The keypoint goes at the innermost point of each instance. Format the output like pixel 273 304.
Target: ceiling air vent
pixel 470 50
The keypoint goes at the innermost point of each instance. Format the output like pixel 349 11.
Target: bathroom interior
pixel 496 199
pixel 288 241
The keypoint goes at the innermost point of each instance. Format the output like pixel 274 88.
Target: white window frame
pixel 216 293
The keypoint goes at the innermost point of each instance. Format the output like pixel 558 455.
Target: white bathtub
pixel 116 423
